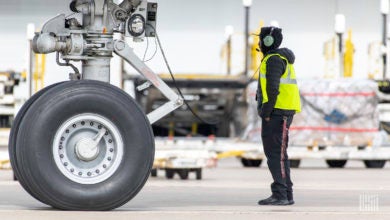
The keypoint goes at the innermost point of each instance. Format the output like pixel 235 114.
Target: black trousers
pixel 275 142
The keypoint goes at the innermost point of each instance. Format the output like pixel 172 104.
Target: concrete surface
pixel 231 192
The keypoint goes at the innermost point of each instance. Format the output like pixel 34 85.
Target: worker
pixel 278 101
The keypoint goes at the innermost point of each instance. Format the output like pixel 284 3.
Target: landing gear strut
pixel 85 144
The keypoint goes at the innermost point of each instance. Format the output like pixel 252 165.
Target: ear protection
pixel 269 39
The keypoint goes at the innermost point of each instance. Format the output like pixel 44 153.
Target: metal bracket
pixel 175 101
pixel 144 86
pixel 56 25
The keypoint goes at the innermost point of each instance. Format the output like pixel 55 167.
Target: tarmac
pixel 231 192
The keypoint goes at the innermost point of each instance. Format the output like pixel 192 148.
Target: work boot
pixel 274 201
pixel 290 199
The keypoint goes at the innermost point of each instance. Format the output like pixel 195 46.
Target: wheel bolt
pixel 72 170
pixel 89 173
pixel 65 164
pixel 110 141
pixel 83 123
pixel 60 147
pixel 106 133
pixel 67 131
pixel 111 150
pixel 74 125
pixel 61 156
pixel 80 173
pixel 62 138
pixel 91 123
pixel 100 127
pixel 97 171
pixel 109 158
pixel 104 166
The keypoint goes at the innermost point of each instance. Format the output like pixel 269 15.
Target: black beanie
pixel 276 34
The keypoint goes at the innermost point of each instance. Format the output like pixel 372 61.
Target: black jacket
pixel 276 66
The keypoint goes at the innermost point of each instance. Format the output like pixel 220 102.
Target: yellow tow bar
pixel 233 153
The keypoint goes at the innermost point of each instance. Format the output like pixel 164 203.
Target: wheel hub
pixel 88 148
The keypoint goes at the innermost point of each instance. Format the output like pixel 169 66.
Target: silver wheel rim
pixel 89 165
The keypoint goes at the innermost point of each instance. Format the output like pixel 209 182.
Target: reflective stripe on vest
pixel 283 80
pixel 288 98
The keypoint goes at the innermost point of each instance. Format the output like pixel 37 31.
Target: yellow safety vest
pixel 288 98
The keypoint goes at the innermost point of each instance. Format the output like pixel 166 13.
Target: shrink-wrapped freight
pixel 334 112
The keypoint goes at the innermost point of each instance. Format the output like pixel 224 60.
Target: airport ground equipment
pixel 213 97
pixel 334 156
pixel 206 152
pixel 184 156
pixel 8 81
pixel 85 144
